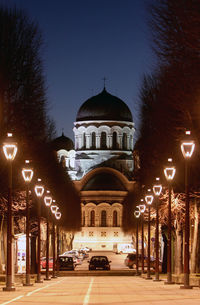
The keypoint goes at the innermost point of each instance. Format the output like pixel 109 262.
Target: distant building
pixel 100 163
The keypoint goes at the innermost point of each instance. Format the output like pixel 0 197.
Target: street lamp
pixel 157 189
pixel 27 174
pixel 137 215
pixel 58 217
pixel 47 201
pixel 10 151
pixel 142 208
pixel 39 190
pixel 187 148
pixel 149 200
pixel 54 248
pixel 169 172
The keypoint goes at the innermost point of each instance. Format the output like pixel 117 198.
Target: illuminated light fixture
pixel 47 200
pixel 54 209
pixel 137 213
pixel 39 189
pixel 27 173
pixel 58 215
pixel 149 198
pixel 169 171
pixel 187 147
pixel 10 148
pixel 157 188
pixel 142 208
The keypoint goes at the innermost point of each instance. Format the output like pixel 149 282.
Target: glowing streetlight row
pixel 187 149
pixel 10 151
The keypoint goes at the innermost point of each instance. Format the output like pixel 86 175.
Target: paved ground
pixel 101 291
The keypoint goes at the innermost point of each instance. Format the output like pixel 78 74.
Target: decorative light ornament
pixel 142 208
pixel 137 213
pixel 169 171
pixel 157 188
pixel 47 200
pixel 54 209
pixel 149 198
pixel 10 148
pixel 58 215
pixel 39 189
pixel 27 173
pixel 187 146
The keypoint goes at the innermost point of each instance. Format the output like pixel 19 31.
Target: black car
pixel 99 262
pixel 66 263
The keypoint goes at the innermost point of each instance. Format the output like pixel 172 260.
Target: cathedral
pixel 100 164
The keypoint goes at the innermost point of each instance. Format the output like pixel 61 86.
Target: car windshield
pixel 100 259
pixel 66 259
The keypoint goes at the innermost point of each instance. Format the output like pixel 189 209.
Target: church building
pixel 100 163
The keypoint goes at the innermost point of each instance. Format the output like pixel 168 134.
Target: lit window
pixel 103 218
pixel 92 218
pixel 115 224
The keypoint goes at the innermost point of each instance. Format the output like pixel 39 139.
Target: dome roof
pixel 62 142
pixel 104 181
pixel 104 106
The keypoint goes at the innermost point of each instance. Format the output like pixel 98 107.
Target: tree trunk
pixel 179 249
pixel 194 241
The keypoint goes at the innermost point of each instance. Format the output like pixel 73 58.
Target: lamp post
pixel 39 190
pixel 47 201
pixel 142 208
pixel 149 200
pixel 27 174
pixel 157 189
pixel 54 250
pixel 187 148
pixel 169 172
pixel 10 151
pixel 58 217
pixel 137 215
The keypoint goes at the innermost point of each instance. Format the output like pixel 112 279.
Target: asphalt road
pixel 103 290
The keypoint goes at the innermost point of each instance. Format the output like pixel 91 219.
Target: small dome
pixel 104 106
pixel 104 181
pixel 62 142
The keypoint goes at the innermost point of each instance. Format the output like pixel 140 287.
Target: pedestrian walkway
pixel 117 290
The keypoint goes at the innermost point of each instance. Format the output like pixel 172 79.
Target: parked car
pixel 130 261
pixel 66 262
pixel 84 254
pixel 43 263
pixel 99 262
pixel 77 259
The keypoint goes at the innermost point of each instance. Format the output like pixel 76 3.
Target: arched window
pixel 103 218
pixel 124 141
pixel 131 141
pixel 103 140
pixel 92 218
pixel 93 140
pixel 84 140
pixel 83 219
pixel 114 140
pixel 115 224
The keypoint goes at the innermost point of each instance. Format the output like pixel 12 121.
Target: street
pixel 101 290
pixel 117 260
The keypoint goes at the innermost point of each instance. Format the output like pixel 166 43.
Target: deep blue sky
pixel 86 40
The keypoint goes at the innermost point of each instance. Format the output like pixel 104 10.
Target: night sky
pixel 85 41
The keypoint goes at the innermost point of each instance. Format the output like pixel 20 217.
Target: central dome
pixel 104 106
